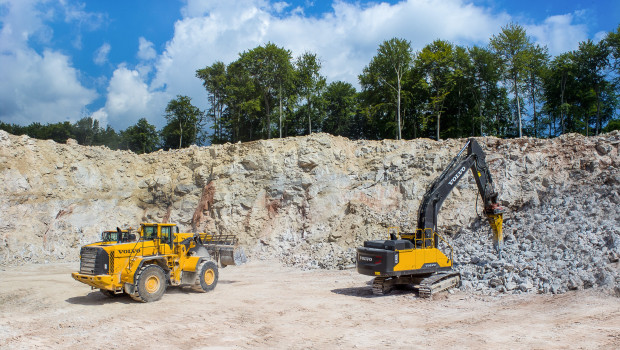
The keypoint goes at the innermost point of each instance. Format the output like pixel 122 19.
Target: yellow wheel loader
pixel 161 257
pixel 414 258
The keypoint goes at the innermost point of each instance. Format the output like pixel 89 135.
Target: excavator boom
pixel 443 185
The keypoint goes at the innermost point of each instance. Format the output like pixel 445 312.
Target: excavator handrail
pixel 447 243
pixel 426 237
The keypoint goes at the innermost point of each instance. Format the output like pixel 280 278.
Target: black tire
pixel 150 284
pixel 109 293
pixel 207 276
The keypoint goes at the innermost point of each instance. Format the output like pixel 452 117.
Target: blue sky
pixel 119 61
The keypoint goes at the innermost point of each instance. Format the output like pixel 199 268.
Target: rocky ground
pixel 264 305
pixel 310 201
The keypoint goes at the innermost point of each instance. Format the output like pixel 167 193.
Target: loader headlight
pixel 395 258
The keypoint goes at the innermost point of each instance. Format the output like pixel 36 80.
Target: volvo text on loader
pixel 415 258
pixel 161 257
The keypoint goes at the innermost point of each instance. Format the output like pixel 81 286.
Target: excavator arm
pixel 471 157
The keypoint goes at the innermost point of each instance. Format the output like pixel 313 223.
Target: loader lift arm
pixel 471 156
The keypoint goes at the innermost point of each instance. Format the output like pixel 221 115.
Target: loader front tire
pixel 207 277
pixel 150 284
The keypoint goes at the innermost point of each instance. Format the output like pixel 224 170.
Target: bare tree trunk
pixel 399 129
pixel 438 118
pixel 518 105
pixel 266 97
pixel 181 137
pixel 563 86
pixel 598 111
pixel 533 94
pixel 309 115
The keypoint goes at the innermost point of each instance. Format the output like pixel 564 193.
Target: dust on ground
pixel 265 305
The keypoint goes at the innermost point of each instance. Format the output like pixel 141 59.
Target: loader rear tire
pixel 207 277
pixel 150 284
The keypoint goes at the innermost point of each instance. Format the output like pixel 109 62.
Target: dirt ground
pixel 264 305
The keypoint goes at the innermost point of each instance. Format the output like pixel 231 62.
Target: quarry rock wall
pixel 310 201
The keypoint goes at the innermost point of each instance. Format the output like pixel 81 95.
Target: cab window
pixel 150 232
pixel 166 234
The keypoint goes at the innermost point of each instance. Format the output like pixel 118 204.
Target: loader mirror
pixel 177 227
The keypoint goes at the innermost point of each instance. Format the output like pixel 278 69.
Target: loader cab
pixel 161 235
pixel 165 234
pixel 118 236
pixel 149 232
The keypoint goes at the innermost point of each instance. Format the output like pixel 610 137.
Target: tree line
pixel 511 87
pixel 184 122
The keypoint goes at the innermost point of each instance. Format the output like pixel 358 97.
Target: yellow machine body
pixel 114 267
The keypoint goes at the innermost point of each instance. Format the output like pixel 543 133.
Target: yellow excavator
pixel 414 258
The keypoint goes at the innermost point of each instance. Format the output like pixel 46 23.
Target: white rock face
pixel 310 201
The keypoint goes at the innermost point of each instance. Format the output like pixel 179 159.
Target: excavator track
pixel 438 282
pixel 381 286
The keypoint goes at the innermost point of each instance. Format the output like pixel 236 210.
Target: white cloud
pixel 101 55
pixel 130 99
pixel 101 115
pixel 74 13
pixel 280 6
pixel 43 89
pixel 145 50
pixel 36 87
pixel 345 39
pixel 79 19
pixel 560 33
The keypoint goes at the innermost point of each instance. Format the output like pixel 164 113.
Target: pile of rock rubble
pixel 570 241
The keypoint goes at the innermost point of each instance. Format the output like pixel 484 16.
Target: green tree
pixel 512 46
pixel 489 97
pixel 559 86
pixel 592 60
pixel 86 130
pixel 309 82
pixel 613 43
pixel 535 70
pixel 243 99
pixel 214 79
pixel 340 107
pixel 436 64
pixel 271 68
pixel 141 137
pixel 387 70
pixel 184 122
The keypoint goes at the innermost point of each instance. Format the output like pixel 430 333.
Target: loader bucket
pixel 232 256
pixel 224 247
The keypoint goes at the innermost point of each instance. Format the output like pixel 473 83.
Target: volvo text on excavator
pixel 415 257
